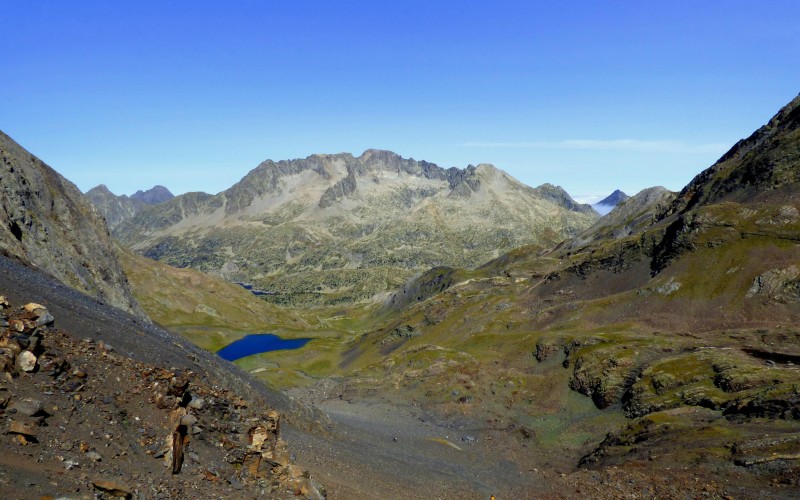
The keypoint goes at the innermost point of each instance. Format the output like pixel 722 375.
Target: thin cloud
pixel 606 145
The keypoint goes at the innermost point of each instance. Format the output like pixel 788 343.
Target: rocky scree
pixel 80 419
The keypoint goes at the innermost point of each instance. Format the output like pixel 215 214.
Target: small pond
pixel 258 343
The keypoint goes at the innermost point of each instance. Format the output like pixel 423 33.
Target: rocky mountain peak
pixel 153 196
pixel 100 189
pixel 614 198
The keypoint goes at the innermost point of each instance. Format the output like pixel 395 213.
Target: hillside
pixel 331 229
pixel 46 222
pixel 674 319
pixel 209 311
pixel 96 403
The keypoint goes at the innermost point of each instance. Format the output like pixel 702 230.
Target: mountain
pixel 628 216
pixel 153 196
pixel 116 405
pixel 116 209
pixel 662 340
pixel 333 229
pixel 609 202
pixel 46 222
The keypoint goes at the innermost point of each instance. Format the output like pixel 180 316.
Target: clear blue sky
pixel 590 95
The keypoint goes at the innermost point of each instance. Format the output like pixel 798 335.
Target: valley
pixel 651 352
pixel 668 317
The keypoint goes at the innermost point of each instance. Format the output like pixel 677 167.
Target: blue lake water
pixel 256 344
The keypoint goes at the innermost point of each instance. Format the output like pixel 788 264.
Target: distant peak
pixel 379 154
pixel 614 198
pixel 154 195
pixel 100 188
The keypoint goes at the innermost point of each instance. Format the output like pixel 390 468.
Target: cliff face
pixel 46 222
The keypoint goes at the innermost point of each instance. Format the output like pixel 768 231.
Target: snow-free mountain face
pixel 117 209
pixel 46 222
pixel 153 196
pixel 608 203
pixel 338 228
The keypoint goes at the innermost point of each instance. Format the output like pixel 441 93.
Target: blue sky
pixel 589 95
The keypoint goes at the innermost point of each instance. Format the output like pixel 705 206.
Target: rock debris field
pixel 80 420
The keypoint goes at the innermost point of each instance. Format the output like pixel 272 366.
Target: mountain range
pixel 652 352
pixel 332 229
pixel 116 209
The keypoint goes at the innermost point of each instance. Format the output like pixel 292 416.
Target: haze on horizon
pixel 589 96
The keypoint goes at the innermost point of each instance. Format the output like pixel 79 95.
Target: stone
pixel 26 361
pixel 28 407
pixel 114 488
pixel 311 490
pixel 45 319
pixel 10 347
pixel 20 427
pixel 94 456
pixel 188 420
pixel 33 343
pixel 235 483
pixel 32 306
pixel 196 403
pixel 17 325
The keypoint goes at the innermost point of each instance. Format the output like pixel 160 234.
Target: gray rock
pixel 196 403
pixel 235 483
pixel 28 407
pixel 188 420
pixel 45 319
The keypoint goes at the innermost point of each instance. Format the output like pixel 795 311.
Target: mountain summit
pixel 337 228
pixel 608 203
pixel 116 209
pixel 153 196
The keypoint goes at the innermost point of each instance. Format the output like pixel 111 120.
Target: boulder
pixel 26 361
pixel 28 407
pixel 113 488
pixel 18 426
pixel 33 306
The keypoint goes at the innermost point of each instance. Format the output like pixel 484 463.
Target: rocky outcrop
pixel 46 222
pixel 557 195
